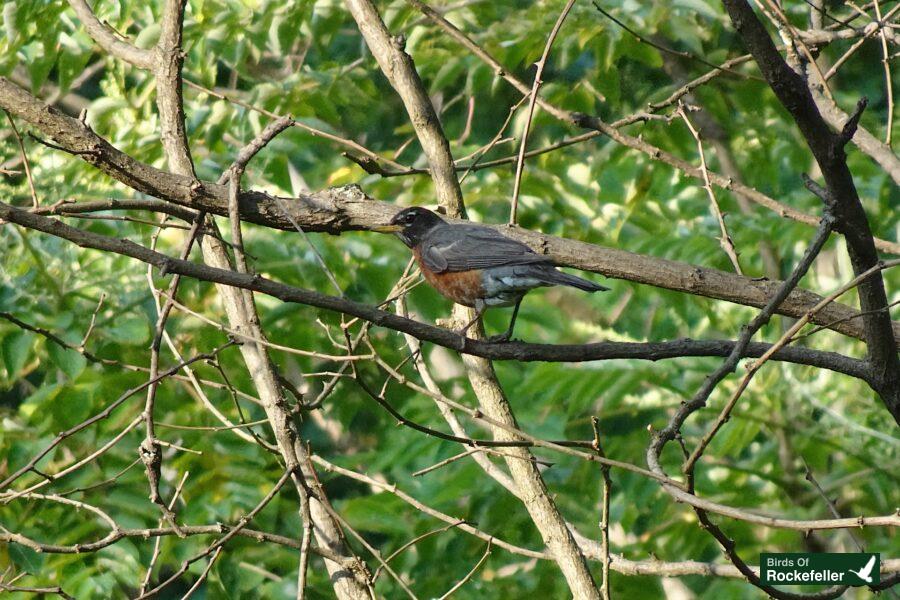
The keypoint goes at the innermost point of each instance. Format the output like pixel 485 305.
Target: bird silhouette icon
pixel 866 572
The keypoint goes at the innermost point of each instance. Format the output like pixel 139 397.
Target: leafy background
pixel 307 59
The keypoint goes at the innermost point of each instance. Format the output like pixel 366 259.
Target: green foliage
pixel 306 59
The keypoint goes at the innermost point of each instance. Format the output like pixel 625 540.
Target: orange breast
pixel 463 287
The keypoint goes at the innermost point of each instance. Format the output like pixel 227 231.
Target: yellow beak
pixel 387 228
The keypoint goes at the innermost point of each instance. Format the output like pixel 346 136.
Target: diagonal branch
pixel 398 67
pixel 107 39
pixel 828 149
pixel 400 70
pixel 532 100
pixel 877 150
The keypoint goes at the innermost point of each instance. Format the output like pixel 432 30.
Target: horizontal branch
pixel 740 514
pixel 336 210
pixel 619 563
pixel 185 530
pixel 520 351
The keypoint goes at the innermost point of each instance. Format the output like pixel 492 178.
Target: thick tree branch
pixel 342 209
pixel 167 67
pixel 239 306
pixel 828 149
pixel 108 40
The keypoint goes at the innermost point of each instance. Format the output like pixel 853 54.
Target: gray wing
pixel 465 247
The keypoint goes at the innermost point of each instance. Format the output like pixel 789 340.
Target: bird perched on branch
pixel 477 266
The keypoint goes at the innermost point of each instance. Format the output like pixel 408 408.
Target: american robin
pixel 475 265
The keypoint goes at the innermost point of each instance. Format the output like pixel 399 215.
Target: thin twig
pixel 319 258
pixel 12 124
pixel 791 38
pixel 105 413
pixel 242 522
pixel 724 238
pixel 305 542
pixel 154 556
pixel 532 102
pixel 203 575
pixel 604 511
pixel 412 543
pixel 462 582
pixel 808 475
pixel 844 58
pixel 311 130
pixel 149 450
pixel 490 145
pixel 90 329
pixel 755 325
pixel 661 48
pixel 888 85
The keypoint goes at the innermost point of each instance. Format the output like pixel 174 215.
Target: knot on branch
pixel 367 164
pixel 151 456
pixel 826 196
pixel 164 267
pixel 581 120
pixel 850 126
pixel 195 189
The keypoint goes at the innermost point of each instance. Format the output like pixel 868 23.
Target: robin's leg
pixel 479 310
pixel 506 335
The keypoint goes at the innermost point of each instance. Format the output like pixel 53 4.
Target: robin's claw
pixel 499 338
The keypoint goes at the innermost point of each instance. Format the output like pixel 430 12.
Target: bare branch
pixel 747 333
pixel 864 140
pixel 725 238
pixel 532 100
pixel 888 85
pixel 25 163
pixel 108 40
pixel 828 150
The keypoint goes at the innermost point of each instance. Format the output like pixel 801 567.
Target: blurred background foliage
pixel 306 59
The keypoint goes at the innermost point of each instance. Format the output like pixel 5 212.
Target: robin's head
pixel 412 224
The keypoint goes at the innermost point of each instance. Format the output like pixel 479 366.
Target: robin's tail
pixel 560 278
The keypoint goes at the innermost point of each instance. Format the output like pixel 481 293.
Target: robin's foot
pixel 499 338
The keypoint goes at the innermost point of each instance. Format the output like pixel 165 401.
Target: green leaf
pixel 26 559
pixel 15 348
pixel 70 65
pixel 134 331
pixel 71 362
pixel 148 36
pixel 379 512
